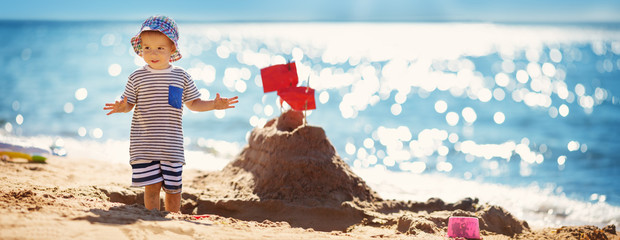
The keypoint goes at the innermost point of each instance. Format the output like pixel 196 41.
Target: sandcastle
pixel 297 163
pixel 288 169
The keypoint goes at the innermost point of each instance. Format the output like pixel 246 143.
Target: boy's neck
pixel 152 68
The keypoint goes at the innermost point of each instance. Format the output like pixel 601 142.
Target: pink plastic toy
pixel 463 227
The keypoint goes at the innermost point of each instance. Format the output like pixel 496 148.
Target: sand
pixel 287 183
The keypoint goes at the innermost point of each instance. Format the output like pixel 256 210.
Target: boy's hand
pixel 118 106
pixel 224 103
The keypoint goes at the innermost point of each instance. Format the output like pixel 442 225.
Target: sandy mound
pixel 432 216
pixel 287 169
pixel 294 163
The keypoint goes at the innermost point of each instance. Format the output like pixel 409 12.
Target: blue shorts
pixel 151 172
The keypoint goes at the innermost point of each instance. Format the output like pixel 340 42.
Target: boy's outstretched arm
pixel 200 105
pixel 118 106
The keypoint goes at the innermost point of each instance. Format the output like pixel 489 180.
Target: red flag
pixel 300 98
pixel 278 77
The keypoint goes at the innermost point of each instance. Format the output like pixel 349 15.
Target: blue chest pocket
pixel 175 97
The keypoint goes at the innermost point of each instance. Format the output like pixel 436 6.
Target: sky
pixel 537 11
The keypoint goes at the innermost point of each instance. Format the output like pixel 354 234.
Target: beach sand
pixel 287 183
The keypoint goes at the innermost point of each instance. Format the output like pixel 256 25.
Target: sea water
pixel 524 116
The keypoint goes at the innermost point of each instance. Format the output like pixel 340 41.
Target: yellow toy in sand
pixel 30 158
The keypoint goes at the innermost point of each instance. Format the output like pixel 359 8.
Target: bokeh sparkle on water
pixel 509 104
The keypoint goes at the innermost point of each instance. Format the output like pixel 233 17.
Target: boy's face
pixel 156 49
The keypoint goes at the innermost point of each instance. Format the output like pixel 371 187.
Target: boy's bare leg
pixel 173 202
pixel 151 196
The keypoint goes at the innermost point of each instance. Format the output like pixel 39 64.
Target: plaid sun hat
pixel 163 24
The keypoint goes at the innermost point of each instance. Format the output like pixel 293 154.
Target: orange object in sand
pixel 198 217
pixel 278 77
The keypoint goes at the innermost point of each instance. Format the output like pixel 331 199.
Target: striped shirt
pixel 157 126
